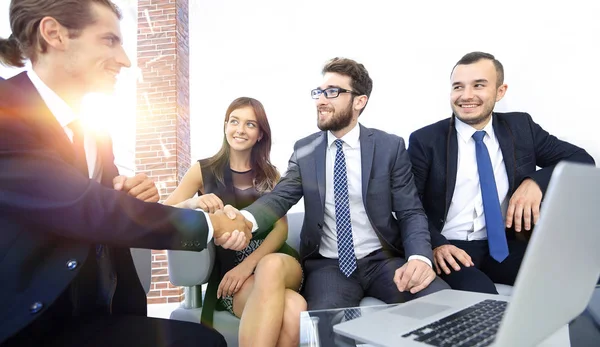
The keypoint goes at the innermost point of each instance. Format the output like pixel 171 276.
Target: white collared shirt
pixel 466 220
pixel 364 237
pixel 64 114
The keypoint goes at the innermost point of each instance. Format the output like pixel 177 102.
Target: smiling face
pixel 94 58
pixel 475 92
pixel 337 113
pixel 242 130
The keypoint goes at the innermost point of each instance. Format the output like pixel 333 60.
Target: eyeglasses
pixel 330 93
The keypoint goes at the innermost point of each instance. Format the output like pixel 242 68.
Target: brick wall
pixel 162 123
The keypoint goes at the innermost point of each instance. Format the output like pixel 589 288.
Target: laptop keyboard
pixel 476 325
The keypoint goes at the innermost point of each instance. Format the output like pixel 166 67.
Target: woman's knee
pixel 294 301
pixel 294 304
pixel 270 263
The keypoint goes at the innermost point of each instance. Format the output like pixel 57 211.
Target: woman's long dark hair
pixel 265 174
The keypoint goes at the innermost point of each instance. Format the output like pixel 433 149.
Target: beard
pixel 338 121
pixel 473 118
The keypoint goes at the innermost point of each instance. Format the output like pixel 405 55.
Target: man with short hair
pixel 68 220
pixel 353 179
pixel 476 176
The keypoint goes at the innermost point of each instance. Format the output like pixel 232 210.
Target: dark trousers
pixel 487 271
pixel 125 331
pixel 326 287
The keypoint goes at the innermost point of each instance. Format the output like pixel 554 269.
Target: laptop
pixel 555 283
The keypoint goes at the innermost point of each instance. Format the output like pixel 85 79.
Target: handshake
pixel 230 229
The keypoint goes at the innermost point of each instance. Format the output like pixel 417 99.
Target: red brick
pixel 171 292
pixel 160 257
pixel 160 300
pixel 163 130
pixel 154 293
pixel 173 299
pixel 156 272
pixel 162 285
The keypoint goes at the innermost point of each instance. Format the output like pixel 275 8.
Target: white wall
pixel 273 51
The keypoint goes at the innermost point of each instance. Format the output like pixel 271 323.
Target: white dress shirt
pixel 64 114
pixel 363 235
pixel 466 220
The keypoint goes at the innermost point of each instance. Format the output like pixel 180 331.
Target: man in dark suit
pixel 67 218
pixel 476 175
pixel 353 179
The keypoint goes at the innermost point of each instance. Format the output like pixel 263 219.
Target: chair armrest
pixel 188 269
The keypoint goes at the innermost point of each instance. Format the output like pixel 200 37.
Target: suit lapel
pixel 452 163
pixel 35 109
pixel 367 147
pixel 507 147
pixel 320 153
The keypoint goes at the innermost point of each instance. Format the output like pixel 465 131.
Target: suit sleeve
pixel 549 151
pixel 408 208
pixel 38 189
pixel 420 168
pixel 269 208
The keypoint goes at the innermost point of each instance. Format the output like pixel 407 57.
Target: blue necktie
pixel 491 204
pixel 352 313
pixel 343 225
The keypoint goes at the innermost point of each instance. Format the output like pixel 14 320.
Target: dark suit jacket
pixel 387 186
pixel 524 144
pixel 51 214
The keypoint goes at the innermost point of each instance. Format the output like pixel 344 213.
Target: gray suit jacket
pixel 388 186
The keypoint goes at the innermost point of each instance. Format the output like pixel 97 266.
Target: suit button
pixel 72 264
pixel 441 221
pixel 36 307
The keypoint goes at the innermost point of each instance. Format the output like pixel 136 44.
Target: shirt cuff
pixel 420 257
pixel 211 229
pixel 250 218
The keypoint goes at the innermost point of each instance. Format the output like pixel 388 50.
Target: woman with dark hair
pixel 259 284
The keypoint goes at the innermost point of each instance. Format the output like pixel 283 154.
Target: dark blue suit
pixel 387 186
pixel 52 216
pixel 524 144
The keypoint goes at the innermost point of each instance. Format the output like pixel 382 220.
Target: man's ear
pixel 53 33
pixel 500 92
pixel 360 102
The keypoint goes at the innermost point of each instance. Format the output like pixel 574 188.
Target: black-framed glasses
pixel 330 93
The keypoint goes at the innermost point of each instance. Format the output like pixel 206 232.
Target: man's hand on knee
pixel 446 255
pixel 414 276
pixel 524 205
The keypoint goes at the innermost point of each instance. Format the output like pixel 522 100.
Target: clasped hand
pixel 230 229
